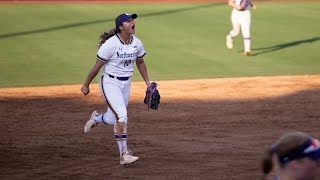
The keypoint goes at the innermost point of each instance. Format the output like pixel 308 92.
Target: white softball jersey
pixel 115 81
pixel 119 57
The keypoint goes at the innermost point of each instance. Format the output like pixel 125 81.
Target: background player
pixel 295 156
pixel 240 17
pixel 118 50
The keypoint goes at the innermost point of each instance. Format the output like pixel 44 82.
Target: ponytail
pixel 267 163
pixel 106 35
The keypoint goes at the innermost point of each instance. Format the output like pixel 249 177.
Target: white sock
pixel 121 138
pixel 247 44
pixel 122 143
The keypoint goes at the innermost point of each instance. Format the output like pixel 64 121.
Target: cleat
pixel 129 152
pixel 229 42
pixel 128 158
pixel 247 53
pixel 90 123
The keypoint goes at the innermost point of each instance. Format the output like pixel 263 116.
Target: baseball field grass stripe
pixel 56 44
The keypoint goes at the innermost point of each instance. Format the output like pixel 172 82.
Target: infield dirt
pixel 204 129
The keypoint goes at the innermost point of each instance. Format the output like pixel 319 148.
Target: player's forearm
pixel 232 4
pixel 93 73
pixel 143 71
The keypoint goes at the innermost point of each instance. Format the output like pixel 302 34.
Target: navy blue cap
pixel 123 18
pixel 311 149
pixel 314 155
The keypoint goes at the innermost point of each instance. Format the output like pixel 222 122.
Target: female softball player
pixel 118 50
pixel 296 156
pixel 240 17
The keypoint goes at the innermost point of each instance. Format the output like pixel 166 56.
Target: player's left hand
pixel 148 84
pixel 152 98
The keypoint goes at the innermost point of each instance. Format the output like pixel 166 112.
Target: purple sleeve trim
pixel 101 59
pixel 141 56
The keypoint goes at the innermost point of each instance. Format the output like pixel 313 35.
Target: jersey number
pixel 127 62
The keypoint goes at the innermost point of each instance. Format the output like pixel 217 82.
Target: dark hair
pixel 284 145
pixel 106 35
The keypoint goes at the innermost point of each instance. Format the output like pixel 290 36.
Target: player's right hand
pixel 85 90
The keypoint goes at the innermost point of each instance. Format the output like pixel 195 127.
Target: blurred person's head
pixel 294 156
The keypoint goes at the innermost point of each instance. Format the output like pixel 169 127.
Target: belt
pixel 120 78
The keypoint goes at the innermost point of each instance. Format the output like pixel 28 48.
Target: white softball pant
pixel 241 19
pixel 116 94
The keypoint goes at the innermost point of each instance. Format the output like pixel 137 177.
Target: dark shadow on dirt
pixel 74 25
pixel 43 137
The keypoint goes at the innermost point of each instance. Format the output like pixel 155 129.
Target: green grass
pixel 56 44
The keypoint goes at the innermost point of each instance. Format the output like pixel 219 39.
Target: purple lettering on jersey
pixel 125 55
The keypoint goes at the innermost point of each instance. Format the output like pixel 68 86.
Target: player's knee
pixel 109 120
pixel 123 120
pixel 122 117
pixel 245 34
